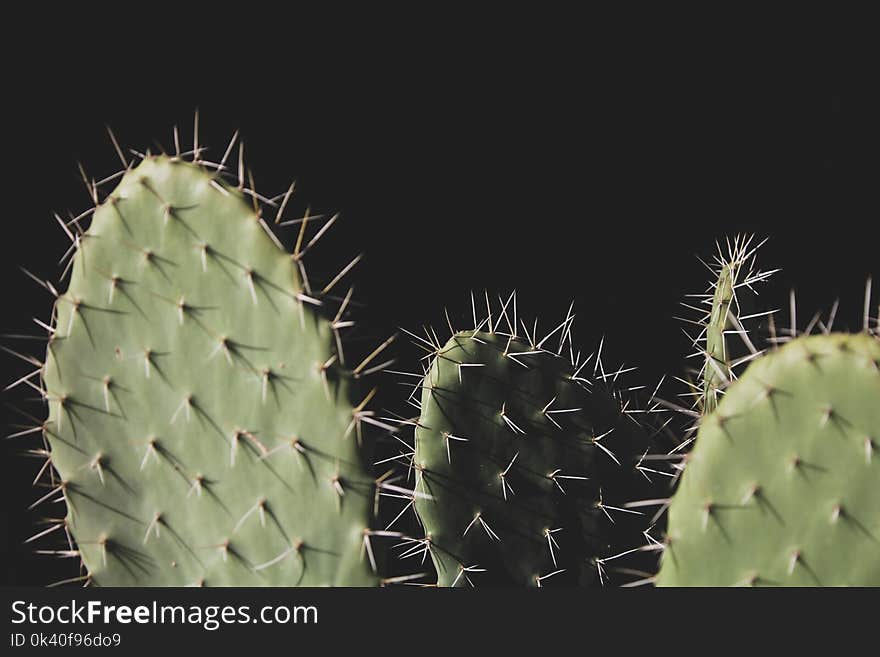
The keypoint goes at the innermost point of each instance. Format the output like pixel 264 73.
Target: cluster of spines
pixel 721 322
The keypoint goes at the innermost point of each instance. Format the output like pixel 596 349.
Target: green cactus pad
pixel 716 368
pixel 198 427
pixel 527 461
pixel 723 343
pixel 783 486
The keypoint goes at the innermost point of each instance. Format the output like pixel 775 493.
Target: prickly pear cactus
pixel 525 458
pixel 783 486
pixel 723 343
pixel 199 426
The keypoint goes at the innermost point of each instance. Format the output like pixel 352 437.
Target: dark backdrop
pixel 463 161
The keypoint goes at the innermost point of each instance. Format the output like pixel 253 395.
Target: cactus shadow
pixel 132 560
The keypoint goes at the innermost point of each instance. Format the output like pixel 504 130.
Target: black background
pixel 590 165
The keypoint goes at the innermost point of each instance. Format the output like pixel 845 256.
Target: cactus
pixel 730 293
pixel 201 425
pixel 524 455
pixel 782 485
